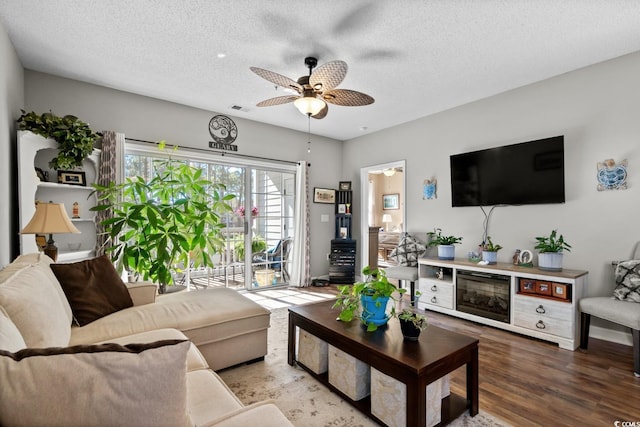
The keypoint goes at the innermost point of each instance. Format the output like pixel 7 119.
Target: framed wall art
pixel 324 195
pixel 345 186
pixel 72 178
pixel 390 201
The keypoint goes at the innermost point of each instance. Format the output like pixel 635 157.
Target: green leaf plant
pixel 375 285
pixel 553 243
pixel 168 221
pixel 436 238
pixel 74 137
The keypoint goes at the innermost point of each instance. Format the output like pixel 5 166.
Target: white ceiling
pixel 415 57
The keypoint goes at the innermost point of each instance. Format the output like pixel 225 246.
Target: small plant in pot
pixel 490 251
pixel 445 244
pixel 550 250
pixel 367 300
pixel 412 324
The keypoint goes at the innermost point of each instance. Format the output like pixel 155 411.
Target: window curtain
pixel 109 170
pixel 300 269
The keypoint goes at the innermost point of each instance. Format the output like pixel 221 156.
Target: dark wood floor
pixel 528 382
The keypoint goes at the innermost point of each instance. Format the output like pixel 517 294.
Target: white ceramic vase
pixel 550 261
pixel 447 252
pixel 490 257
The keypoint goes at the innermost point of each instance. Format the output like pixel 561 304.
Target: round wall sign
pixel 223 129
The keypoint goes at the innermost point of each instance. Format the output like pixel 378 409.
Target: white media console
pixel 526 300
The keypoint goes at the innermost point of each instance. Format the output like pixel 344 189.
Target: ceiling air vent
pixel 239 108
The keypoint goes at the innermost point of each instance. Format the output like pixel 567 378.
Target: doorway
pixel 383 201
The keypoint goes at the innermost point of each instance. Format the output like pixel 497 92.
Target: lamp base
pixel 51 250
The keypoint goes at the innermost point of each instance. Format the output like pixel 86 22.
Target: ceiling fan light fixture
pixel 309 105
pixel 389 172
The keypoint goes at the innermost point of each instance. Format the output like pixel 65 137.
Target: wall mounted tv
pixel 519 174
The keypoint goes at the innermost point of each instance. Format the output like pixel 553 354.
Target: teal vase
pixel 374 310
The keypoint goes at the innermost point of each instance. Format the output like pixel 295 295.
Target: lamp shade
pixel 309 105
pixel 386 218
pixel 50 218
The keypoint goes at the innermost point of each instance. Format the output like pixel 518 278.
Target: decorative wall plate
pixel 222 129
pixel 612 176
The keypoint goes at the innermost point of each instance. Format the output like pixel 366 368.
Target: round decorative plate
pixel 223 129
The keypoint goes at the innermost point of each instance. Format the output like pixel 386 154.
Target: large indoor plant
pixel 75 138
pixel 445 244
pixel 550 250
pixel 160 225
pixel 367 300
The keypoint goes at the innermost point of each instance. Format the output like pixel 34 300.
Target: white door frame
pixel 364 202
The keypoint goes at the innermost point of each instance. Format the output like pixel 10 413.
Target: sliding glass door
pixel 259 230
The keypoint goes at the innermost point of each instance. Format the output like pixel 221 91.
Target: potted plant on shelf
pixel 74 137
pixel 412 324
pixel 446 248
pixel 550 251
pixel 490 251
pixel 367 300
pixel 163 224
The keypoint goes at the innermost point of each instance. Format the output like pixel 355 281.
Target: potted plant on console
pixel 490 251
pixel 446 248
pixel 411 324
pixel 367 300
pixel 550 251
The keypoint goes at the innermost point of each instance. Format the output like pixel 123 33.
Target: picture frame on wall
pixel 345 186
pixel 391 201
pixel 324 195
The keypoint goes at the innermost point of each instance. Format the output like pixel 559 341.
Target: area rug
pixel 303 400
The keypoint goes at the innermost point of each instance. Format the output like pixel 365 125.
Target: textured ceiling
pixel 414 57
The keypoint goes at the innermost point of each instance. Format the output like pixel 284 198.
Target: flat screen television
pixel 519 174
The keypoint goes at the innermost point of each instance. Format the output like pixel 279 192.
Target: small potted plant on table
pixel 412 324
pixel 446 248
pixel 490 251
pixel 367 300
pixel 550 251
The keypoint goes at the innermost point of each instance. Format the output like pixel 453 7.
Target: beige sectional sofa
pixel 149 364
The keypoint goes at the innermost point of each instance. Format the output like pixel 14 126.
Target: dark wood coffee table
pixel 416 364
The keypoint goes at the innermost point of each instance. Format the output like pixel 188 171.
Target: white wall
pixel 150 119
pixel 596 108
pixel 11 100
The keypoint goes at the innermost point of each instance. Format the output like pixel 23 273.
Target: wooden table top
pixel 436 346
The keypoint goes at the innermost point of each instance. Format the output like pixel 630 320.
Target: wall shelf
pixel 34 151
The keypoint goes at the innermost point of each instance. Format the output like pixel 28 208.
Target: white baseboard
pixel 610 335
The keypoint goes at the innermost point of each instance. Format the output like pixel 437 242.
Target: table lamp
pixel 386 218
pixel 50 218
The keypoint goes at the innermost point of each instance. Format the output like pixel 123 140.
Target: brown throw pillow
pixel 93 288
pixel 97 385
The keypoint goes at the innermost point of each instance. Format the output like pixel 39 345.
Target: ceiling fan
pixel 315 90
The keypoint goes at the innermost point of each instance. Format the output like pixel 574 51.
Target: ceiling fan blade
pixel 328 76
pixel 277 79
pixel 322 113
pixel 277 101
pixel 347 98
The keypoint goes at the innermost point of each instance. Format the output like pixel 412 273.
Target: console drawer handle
pixel 540 325
pixel 434 288
pixel 540 309
pixel 434 300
